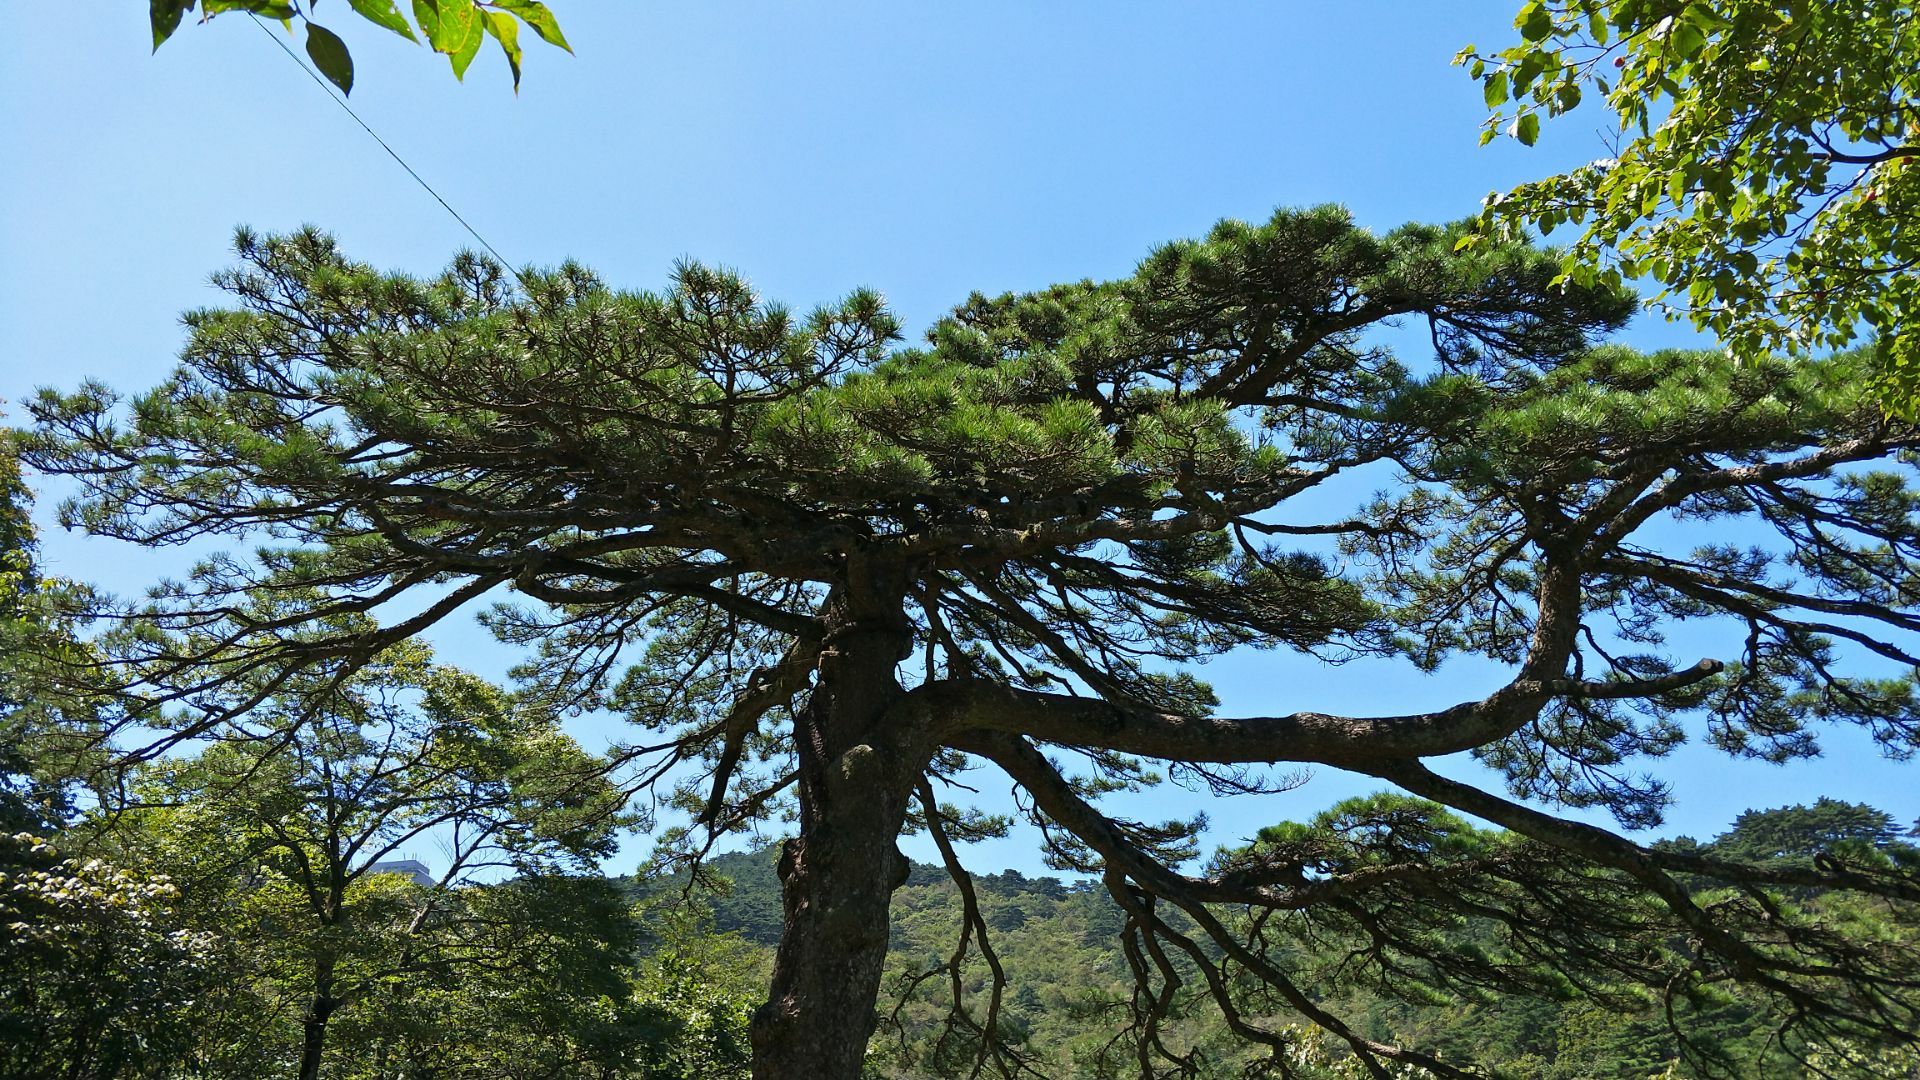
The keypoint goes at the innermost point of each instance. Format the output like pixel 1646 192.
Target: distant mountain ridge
pixel 751 906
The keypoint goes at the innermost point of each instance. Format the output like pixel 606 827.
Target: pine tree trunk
pixel 838 874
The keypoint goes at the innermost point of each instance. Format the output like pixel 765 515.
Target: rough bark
pixel 857 774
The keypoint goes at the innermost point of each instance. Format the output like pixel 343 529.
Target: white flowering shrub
pixel 97 978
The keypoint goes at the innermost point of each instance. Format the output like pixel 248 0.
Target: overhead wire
pixel 341 101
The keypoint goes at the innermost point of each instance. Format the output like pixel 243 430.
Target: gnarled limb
pixel 1323 738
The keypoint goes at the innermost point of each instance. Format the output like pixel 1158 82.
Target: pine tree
pixel 1802 833
pixel 809 560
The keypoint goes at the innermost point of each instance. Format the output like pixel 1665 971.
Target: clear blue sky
pixel 925 150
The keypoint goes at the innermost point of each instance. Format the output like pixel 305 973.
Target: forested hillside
pixel 656 977
pixel 1055 941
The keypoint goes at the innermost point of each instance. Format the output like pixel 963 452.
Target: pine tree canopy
pixel 796 553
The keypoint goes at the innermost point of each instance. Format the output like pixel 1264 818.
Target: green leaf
pixel 469 46
pixel 270 8
pixel 427 14
pixel 329 54
pixel 1530 66
pixel 1687 39
pixel 384 13
pixel 165 15
pixel 1496 89
pixel 1535 21
pixel 1527 128
pixel 456 21
pixel 535 15
pixel 507 33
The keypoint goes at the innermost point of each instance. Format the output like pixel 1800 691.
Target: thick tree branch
pixel 1322 738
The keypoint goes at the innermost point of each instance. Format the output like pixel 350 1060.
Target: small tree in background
pixel 804 560
pixel 276 829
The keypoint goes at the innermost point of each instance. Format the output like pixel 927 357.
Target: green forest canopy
pixel 589 989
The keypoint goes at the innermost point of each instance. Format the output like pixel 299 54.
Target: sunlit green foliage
pixel 276 832
pixel 1802 834
pixel 1067 983
pixel 693 995
pixel 1760 170
pixel 47 724
pixel 101 975
pixel 456 28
